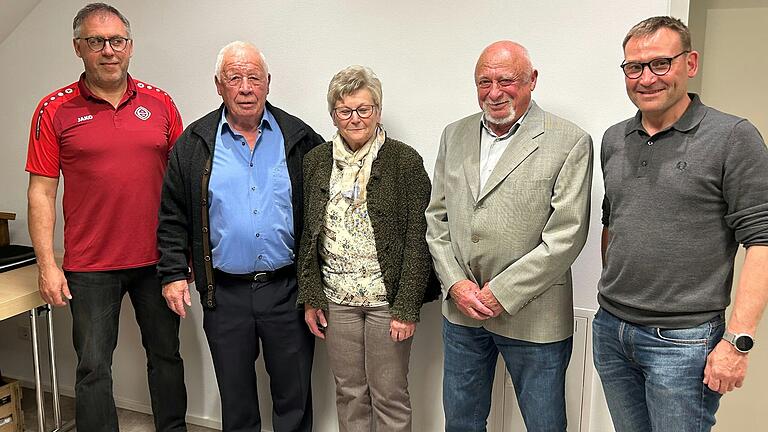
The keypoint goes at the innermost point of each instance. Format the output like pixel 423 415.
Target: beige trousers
pixel 370 370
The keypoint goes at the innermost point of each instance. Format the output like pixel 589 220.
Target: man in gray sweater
pixel 685 184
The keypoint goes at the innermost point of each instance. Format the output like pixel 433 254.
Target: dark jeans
pixel 248 312
pixel 95 306
pixel 537 371
pixel 652 377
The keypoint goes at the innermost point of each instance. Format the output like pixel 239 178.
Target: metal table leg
pixel 55 378
pixel 36 361
pixel 54 372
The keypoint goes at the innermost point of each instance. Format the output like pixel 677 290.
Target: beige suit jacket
pixel 522 231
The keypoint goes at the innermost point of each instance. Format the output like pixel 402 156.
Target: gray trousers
pixel 370 370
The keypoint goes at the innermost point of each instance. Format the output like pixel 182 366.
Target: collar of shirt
pixel 267 120
pixel 492 147
pixel 510 132
pixel 692 116
pixel 130 89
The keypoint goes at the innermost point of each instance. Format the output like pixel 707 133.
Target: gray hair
pixel 101 9
pixel 651 25
pixel 528 68
pixel 350 80
pixel 235 47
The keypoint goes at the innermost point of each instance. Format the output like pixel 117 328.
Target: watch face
pixel 744 343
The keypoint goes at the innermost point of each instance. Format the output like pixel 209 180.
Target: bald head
pixel 505 78
pixel 509 53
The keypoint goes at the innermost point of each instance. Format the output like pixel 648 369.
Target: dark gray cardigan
pixel 183 229
pixel 398 194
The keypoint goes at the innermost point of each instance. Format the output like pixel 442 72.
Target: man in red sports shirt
pixel 109 136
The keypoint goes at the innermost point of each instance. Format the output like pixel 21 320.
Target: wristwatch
pixel 741 341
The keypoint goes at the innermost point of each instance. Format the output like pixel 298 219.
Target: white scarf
pixel 356 166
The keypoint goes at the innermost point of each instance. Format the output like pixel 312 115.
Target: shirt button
pixel 207 258
pixel 205 229
pixel 251 164
pixel 255 212
pixel 475 238
pixel 644 163
pixel 650 143
pixel 259 257
pixel 253 188
pixel 258 235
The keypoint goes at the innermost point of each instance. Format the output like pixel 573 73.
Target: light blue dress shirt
pixel 251 214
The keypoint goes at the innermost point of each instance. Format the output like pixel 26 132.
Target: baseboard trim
pixel 123 403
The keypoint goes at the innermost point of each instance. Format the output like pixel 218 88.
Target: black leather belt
pixel 261 277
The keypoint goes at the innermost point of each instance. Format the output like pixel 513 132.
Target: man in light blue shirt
pixel 250 200
pixel 232 197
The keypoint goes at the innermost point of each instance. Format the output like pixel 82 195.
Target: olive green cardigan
pixel 398 194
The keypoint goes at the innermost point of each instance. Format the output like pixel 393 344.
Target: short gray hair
pixel 101 9
pixel 350 80
pixel 528 67
pixel 234 47
pixel 651 25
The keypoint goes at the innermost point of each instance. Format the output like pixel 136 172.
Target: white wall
pixel 13 13
pixel 728 25
pixel 423 51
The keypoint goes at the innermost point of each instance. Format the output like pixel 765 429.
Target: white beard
pixel 508 119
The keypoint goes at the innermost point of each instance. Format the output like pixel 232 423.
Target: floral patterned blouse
pixel 350 266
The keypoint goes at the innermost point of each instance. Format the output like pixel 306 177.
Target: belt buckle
pixel 257 277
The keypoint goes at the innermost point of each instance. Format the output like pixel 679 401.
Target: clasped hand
pixel 475 302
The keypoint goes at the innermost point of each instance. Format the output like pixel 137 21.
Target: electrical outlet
pixel 23 333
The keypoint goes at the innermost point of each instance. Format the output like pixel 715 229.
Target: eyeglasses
pixel 504 82
pixel 363 111
pixel 236 81
pixel 658 66
pixel 96 44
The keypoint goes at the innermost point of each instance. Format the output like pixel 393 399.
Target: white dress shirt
pixel 492 147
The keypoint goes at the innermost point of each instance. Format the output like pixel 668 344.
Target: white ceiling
pixel 13 12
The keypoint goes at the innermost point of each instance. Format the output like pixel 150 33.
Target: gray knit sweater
pixel 677 205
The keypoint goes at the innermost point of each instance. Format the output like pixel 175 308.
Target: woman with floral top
pixel 364 265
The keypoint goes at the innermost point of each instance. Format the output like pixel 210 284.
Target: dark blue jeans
pixel 652 377
pixel 537 371
pixel 95 306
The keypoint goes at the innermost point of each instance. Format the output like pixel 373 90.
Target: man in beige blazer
pixel 508 215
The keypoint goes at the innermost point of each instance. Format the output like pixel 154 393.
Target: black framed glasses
pixel 363 111
pixel 658 66
pixel 96 44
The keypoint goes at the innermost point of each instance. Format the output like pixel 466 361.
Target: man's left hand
pixel 176 295
pixel 489 300
pixel 726 368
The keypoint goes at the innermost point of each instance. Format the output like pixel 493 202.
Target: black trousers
pixel 248 312
pixel 95 306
